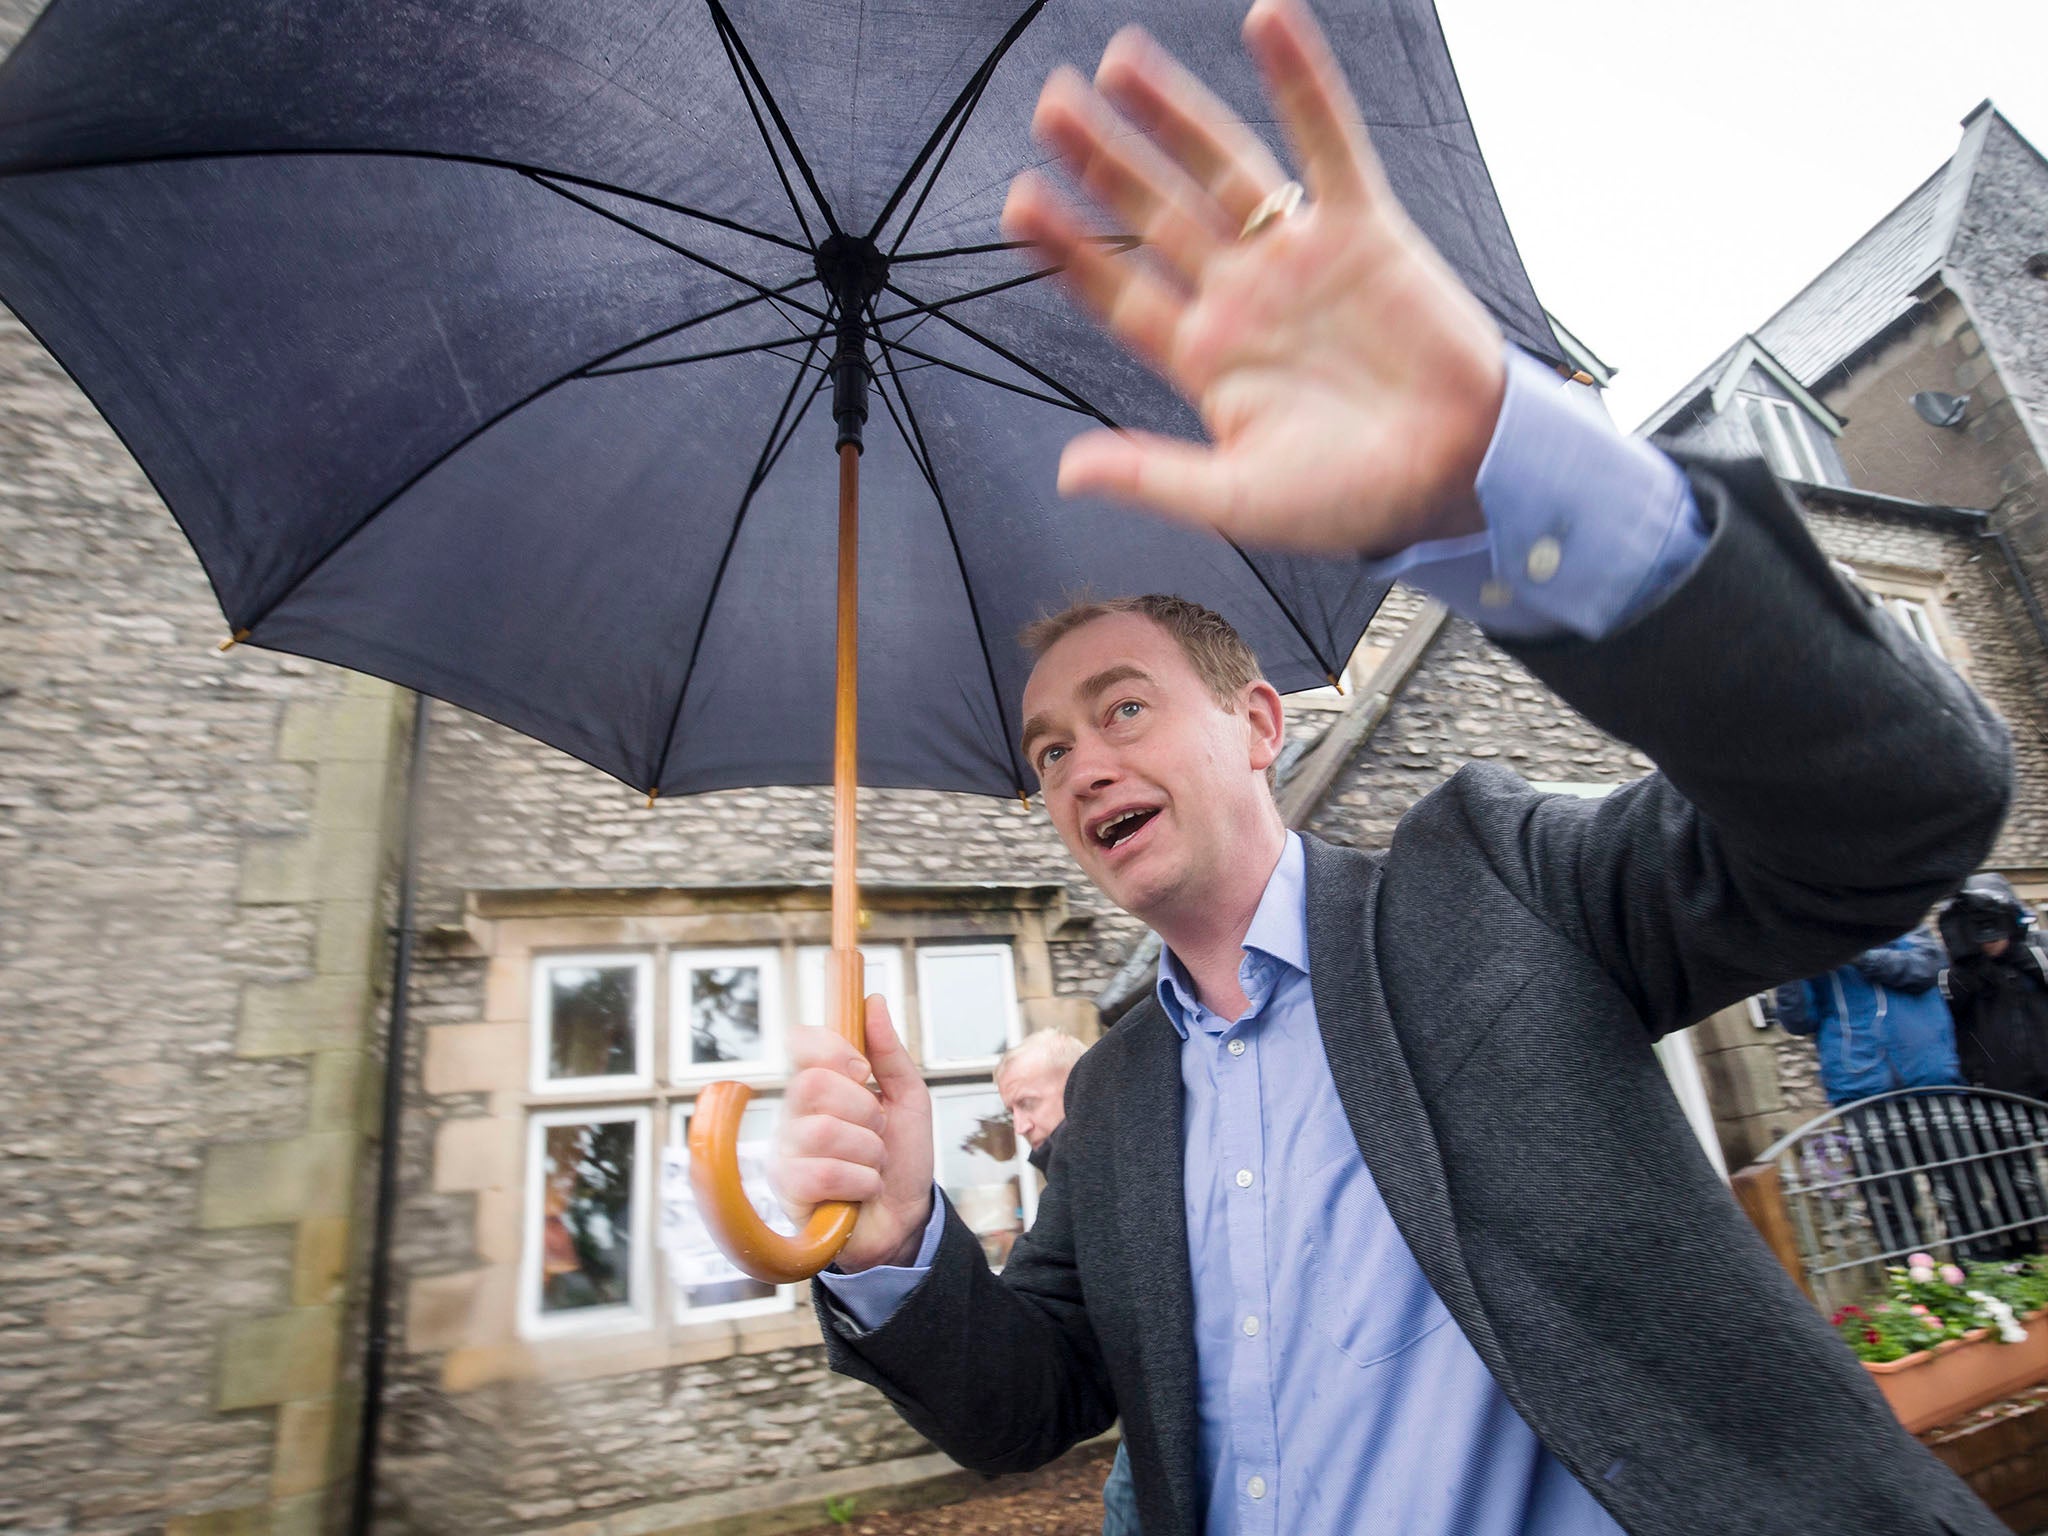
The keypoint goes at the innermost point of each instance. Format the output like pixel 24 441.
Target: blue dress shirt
pixel 1334 1396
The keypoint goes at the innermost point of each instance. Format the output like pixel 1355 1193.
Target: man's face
pixel 1035 1094
pixel 1994 948
pixel 1150 781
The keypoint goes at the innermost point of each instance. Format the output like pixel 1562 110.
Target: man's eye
pixel 1130 709
pixel 1050 756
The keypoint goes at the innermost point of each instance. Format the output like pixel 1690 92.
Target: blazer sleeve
pixel 1824 778
pixel 1001 1373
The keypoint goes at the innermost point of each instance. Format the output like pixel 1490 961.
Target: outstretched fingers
pixel 1308 87
pixel 1137 305
pixel 1188 482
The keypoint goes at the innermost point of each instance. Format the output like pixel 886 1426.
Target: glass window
pixel 1918 622
pixel 980 1166
pixel 1782 435
pixel 703 1284
pixel 883 973
pixel 593 1021
pixel 584 1208
pixel 967 1002
pixel 727 1008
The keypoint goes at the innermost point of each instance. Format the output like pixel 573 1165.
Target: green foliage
pixel 1923 1306
pixel 840 1509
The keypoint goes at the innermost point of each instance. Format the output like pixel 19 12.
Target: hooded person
pixel 1996 985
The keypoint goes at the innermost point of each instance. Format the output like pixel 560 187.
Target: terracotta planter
pixel 1938 1386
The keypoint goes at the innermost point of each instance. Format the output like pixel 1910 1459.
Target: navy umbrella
pixel 501 348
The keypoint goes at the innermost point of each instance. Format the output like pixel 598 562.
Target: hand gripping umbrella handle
pixel 722 1202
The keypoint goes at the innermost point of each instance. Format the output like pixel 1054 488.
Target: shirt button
pixel 1236 1047
pixel 1256 1487
pixel 1251 1327
pixel 1244 1178
pixel 1545 556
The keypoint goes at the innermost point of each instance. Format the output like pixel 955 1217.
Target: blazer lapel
pixel 1153 1233
pixel 1375 1085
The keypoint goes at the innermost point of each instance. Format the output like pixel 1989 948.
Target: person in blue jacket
pixel 1880 1021
pixel 1881 1025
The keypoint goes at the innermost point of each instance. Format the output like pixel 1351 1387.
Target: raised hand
pixel 1348 381
pixel 841 1141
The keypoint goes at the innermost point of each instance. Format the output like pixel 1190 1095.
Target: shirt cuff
pixel 1585 527
pixel 872 1296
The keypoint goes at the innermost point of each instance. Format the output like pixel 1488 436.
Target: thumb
pixel 894 1071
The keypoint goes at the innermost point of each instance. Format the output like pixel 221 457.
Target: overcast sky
pixel 1675 171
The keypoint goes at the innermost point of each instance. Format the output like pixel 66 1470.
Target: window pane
pixel 586 1215
pixel 977 1167
pixel 701 1275
pixel 593 1020
pixel 724 1013
pixel 964 999
pixel 883 973
pixel 1767 437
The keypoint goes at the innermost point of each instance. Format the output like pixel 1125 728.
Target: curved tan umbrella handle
pixel 758 1249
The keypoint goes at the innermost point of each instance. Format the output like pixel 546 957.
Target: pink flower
pixel 1920 1260
pixel 1952 1274
pixel 1917 1310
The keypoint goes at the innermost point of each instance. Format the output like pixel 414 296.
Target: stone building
pixel 198 870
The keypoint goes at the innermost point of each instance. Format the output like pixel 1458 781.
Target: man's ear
pixel 1267 720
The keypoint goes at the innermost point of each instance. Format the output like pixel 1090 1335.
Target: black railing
pixel 1957 1173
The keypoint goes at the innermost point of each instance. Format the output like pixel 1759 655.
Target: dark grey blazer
pixel 1488 990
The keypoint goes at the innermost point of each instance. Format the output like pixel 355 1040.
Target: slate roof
pixel 1867 287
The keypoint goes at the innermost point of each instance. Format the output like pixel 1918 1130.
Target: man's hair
pixel 1221 659
pixel 1048 1047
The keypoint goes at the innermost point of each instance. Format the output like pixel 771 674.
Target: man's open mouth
pixel 1121 829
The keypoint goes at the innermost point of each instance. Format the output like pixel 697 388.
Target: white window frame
pixel 1783 437
pixel 771 1062
pixel 1916 616
pixel 637 1312
pixel 1012 1023
pixel 1027 1185
pixel 680 1312
pixel 813 965
pixel 543 1024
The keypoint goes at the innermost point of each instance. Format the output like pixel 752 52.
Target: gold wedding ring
pixel 1283 201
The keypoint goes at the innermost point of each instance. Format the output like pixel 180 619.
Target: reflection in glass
pixel 964 1002
pixel 586 1215
pixel 702 1275
pixel 725 1013
pixel 592 1020
pixel 977 1167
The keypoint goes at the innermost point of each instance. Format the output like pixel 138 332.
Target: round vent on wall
pixel 2037 264
pixel 1940 410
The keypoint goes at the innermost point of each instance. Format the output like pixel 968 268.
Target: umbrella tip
pixel 1024 800
pixel 650 798
pixel 1336 682
pixel 232 641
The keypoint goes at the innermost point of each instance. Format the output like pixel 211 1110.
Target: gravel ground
pixel 1064 1499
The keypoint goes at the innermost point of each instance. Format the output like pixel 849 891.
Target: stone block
pixel 304 1515
pixel 499 1213
pixel 353 793
pixel 474 1058
pixel 1076 1016
pixel 279 870
pixel 348 729
pixel 305 1438
pixel 336 1091
pixel 476 1154
pixel 1034 964
pixel 350 862
pixel 320 1261
pixel 248 1520
pixel 508 990
pixel 286 1357
pixel 1724 1031
pixel 1741 1082
pixel 296 1018
pixel 345 940
pixel 256 1183
pixel 441 1312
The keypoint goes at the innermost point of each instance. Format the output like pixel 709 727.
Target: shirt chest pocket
pixel 1362 1288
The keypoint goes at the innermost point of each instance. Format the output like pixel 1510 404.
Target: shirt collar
pixel 1278 931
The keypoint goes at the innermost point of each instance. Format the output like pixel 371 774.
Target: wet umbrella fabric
pixel 484 347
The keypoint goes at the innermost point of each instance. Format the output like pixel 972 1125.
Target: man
pixel 1032 1083
pixel 1880 1025
pixel 1381 1215
pixel 1032 1080
pixel 1997 986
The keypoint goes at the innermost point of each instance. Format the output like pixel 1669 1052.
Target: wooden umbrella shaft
pixel 722 1201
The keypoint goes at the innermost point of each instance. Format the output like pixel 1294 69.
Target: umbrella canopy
pixel 478 344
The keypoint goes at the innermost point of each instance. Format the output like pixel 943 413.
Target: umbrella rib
pixel 962 105
pixel 595 371
pixel 920 453
pixel 738 44
pixel 933 306
pixel 663 241
pixel 127 162
pixel 979 86
pixel 264 610
pixel 984 249
pixel 1080 403
pixel 705 357
pixel 986 378
pixel 781 174
pixel 771 450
